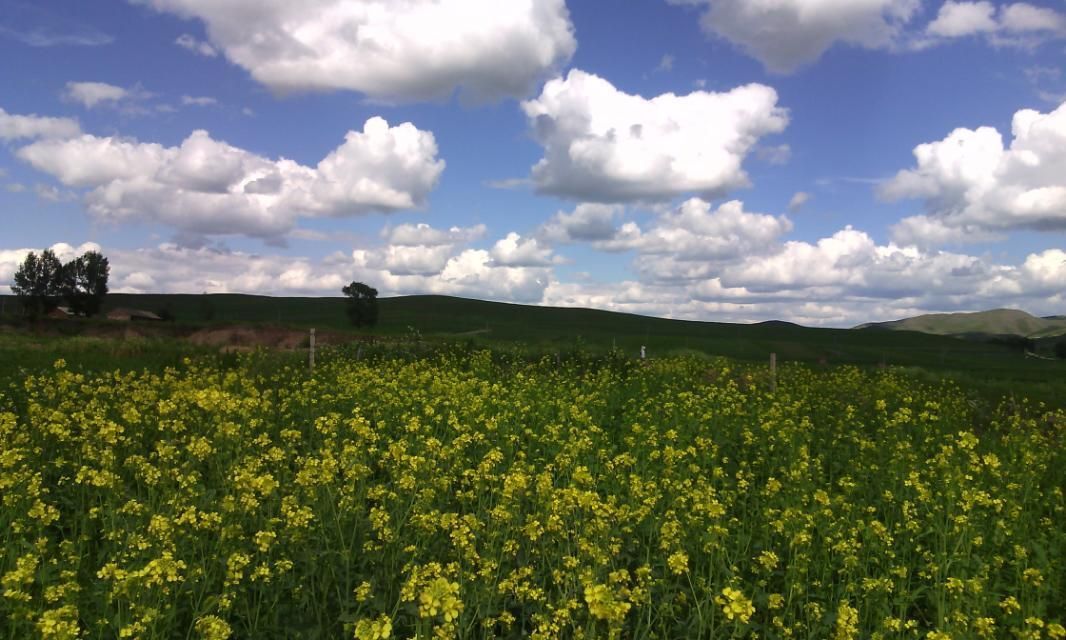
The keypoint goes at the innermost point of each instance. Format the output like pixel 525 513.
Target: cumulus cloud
pixel 422 234
pixel 411 50
pixel 19 127
pixel 1016 24
pixel 516 251
pixel 206 186
pixel 926 232
pixel 787 34
pixel 840 280
pixel 418 249
pixel 588 222
pixel 172 268
pixel 604 145
pixel 423 259
pixel 695 241
pixel 970 179
pixel 957 19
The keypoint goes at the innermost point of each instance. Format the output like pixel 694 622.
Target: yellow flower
pixel 213 628
pixel 847 626
pixel 378 629
pixel 440 597
pixel 735 605
pixel 678 562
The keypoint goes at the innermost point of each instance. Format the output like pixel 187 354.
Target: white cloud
pixel 515 251
pixel 604 145
pixel 1021 17
pixel 588 222
pixel 190 43
pixel 16 127
pixel 422 234
pixel 198 101
pixel 15 187
pixel 969 179
pixel 410 50
pixel 798 199
pixel 210 187
pixel 1047 270
pixel 91 94
pixel 1016 24
pixel 418 249
pixel 787 34
pixel 666 63
pixel 840 280
pixel 957 19
pixel 694 241
pixel 926 232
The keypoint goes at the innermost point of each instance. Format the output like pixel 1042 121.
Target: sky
pixel 826 162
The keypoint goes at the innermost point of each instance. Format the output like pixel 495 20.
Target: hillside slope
pixel 996 322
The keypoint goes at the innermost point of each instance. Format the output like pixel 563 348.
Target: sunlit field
pixel 475 495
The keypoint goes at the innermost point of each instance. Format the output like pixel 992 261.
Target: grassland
pixel 990 370
pixel 996 322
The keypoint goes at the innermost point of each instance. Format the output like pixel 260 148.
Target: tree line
pixel 43 282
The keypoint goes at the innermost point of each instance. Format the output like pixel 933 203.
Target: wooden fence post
pixel 311 352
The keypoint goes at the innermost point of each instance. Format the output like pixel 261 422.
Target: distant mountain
pixel 997 322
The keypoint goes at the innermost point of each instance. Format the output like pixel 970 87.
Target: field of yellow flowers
pixel 475 496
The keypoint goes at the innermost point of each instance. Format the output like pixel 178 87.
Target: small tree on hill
pixel 37 283
pixel 362 304
pixel 83 283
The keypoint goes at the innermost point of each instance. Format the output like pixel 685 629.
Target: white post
pixel 643 352
pixel 311 352
pixel 773 372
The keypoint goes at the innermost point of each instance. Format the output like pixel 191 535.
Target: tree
pixel 37 283
pixel 362 304
pixel 1060 349
pixel 83 283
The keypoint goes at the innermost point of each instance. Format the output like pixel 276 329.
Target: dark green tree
pixel 362 304
pixel 83 283
pixel 37 283
pixel 1060 349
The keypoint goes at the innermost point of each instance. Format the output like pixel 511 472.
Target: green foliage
pixel 1060 349
pixel 83 283
pixel 362 304
pixel 37 283
pixel 477 494
pixel 41 282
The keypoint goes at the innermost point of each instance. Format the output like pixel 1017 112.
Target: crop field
pixel 468 493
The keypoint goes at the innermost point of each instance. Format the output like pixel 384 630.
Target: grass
pixel 996 369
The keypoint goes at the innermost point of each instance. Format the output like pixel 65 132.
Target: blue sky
pixel 828 162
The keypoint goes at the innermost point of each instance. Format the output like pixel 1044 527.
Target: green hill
pixel 997 322
pixel 560 329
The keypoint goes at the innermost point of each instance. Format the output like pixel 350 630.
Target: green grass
pixel 996 322
pixel 996 367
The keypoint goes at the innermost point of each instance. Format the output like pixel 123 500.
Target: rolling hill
pixel 557 329
pixel 997 322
